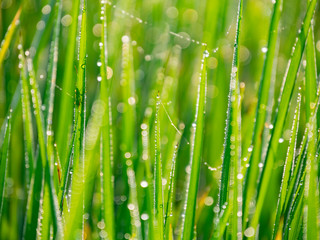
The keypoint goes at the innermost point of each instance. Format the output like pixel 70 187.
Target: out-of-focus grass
pixel 105 135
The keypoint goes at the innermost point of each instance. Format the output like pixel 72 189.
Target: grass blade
pixel 36 100
pixel 311 189
pixel 311 73
pixel 230 187
pixel 287 168
pixel 198 125
pixel 158 191
pixel 4 163
pixel 286 93
pixel 170 199
pixel 253 170
pixel 8 37
pixel 65 112
pixel 106 134
pixel 75 219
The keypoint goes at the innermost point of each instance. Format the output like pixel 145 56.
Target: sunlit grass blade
pixel 36 100
pixel 106 167
pixel 48 112
pixel 133 201
pixel 127 134
pixel 230 187
pixel 170 198
pixel 75 219
pixel 4 163
pixel 158 190
pixel 311 73
pixel 287 169
pixel 66 103
pixel 145 127
pixel 27 122
pixel 220 222
pixel 311 182
pixel 263 96
pixel 295 213
pixel 8 37
pixel 285 96
pixel 198 125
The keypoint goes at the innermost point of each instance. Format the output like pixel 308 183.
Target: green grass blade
pixel 66 104
pixel 4 163
pixel 286 93
pixel 311 73
pixel 220 222
pixel 287 167
pixel 8 37
pixel 36 100
pixel 170 198
pixel 133 201
pixel 311 189
pixel 253 170
pixel 27 122
pixel 198 125
pixel 232 156
pixel 158 191
pixel 106 164
pixel 45 224
pixel 75 219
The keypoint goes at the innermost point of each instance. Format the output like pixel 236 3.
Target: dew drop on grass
pixel 281 140
pixel 99 78
pixel 208 201
pixel 144 216
pixel 239 176
pixel 249 232
pixel 206 53
pixel 144 184
pixel 264 49
pixel 131 206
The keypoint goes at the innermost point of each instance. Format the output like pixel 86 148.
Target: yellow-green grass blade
pixel 263 96
pixel 106 167
pixel 133 201
pixel 196 149
pixel 287 167
pixel 170 198
pixel 27 122
pixel 285 96
pixel 311 182
pixel 45 225
pixel 311 73
pixel 220 222
pixel 4 163
pixel 8 37
pixel 75 220
pixel 158 190
pixel 36 101
pixel 66 103
pixel 230 187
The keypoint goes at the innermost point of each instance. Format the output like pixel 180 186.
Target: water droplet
pixel 264 49
pixel 144 216
pixel 131 206
pixel 249 232
pixel 206 53
pixel 144 184
pixel 239 176
pixel 208 201
pixel 281 140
